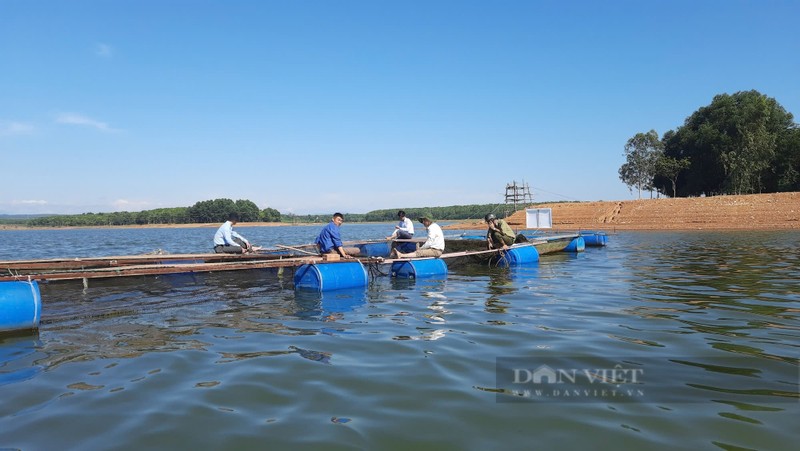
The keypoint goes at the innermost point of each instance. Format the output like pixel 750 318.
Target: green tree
pixel 786 173
pixel 641 154
pixel 248 211
pixel 270 215
pixel 670 168
pixel 740 143
pixel 216 210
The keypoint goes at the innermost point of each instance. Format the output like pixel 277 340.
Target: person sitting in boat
pixel 500 234
pixel 330 242
pixel 404 228
pixel 433 247
pixel 229 242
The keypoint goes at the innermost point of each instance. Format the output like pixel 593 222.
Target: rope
pixel 557 194
pixel 374 269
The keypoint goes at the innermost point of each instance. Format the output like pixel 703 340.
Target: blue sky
pixel 322 106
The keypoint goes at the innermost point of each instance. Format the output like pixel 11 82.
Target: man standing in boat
pixel 229 242
pixel 433 247
pixel 330 242
pixel 500 234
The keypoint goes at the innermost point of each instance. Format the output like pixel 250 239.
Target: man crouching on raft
pixel 433 247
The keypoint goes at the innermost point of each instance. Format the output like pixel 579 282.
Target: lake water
pixel 706 323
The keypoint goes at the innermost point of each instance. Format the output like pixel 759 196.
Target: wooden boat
pixel 545 244
pixel 55 264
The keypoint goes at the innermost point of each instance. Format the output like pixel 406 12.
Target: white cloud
pixel 15 128
pixel 79 119
pixel 130 205
pixel 28 202
pixel 103 50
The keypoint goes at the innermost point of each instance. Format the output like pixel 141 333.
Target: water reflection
pixel 328 306
pixel 729 290
pixel 733 295
pixel 19 357
pixel 501 284
pixel 432 292
pixel 146 359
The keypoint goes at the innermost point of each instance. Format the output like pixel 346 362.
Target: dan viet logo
pixel 546 382
pixel 560 378
pixel 546 375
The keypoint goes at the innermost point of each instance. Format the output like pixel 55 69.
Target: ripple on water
pixel 239 360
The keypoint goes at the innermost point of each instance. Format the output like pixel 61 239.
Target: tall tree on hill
pixel 208 211
pixel 641 155
pixel 670 168
pixel 270 215
pixel 786 173
pixel 740 143
pixel 248 210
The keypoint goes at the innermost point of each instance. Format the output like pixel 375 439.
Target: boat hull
pixel 544 244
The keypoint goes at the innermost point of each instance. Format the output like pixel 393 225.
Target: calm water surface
pixel 241 361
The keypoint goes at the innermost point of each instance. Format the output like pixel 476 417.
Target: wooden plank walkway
pixel 159 269
pixel 148 265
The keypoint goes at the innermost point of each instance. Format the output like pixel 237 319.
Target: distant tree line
pixel 451 213
pixel 739 144
pixel 217 211
pixel 208 211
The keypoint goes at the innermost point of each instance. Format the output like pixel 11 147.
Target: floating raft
pixel 106 267
pixel 21 303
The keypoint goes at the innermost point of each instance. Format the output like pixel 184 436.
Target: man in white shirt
pixel 229 242
pixel 433 247
pixel 404 228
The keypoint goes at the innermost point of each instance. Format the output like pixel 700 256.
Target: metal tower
pixel 518 194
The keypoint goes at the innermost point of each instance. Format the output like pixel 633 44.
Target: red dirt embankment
pixel 744 212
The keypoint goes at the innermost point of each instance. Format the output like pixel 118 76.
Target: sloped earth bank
pixel 779 211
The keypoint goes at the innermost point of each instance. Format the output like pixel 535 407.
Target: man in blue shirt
pixel 329 240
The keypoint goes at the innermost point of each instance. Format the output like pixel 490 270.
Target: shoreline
pixel 774 211
pixel 155 226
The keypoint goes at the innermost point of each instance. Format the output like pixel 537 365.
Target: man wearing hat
pixel 433 246
pixel 499 234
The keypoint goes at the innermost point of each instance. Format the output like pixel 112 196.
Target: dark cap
pixel 489 217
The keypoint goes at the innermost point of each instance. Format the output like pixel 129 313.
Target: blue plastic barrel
pixel 406 247
pixel 519 255
pixel 20 305
pixel 415 269
pixel 594 239
pixel 380 249
pixel 330 276
pixel 576 245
